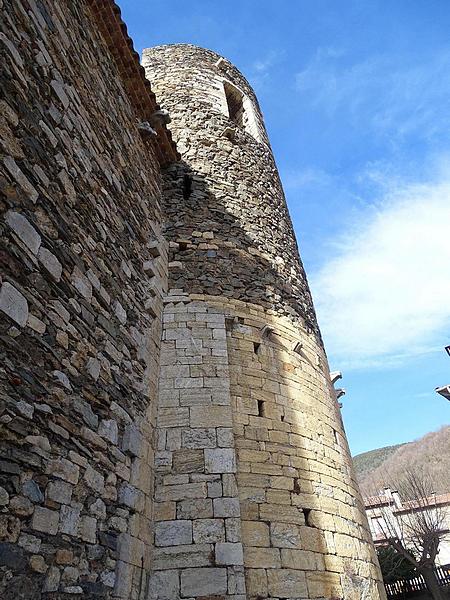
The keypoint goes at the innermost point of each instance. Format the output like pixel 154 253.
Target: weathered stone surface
pixel 69 520
pixel 286 583
pixel 203 582
pixel 50 263
pixel 24 230
pixel 188 461
pixel 94 479
pixel 229 554
pixel 21 506
pixel 132 440
pixel 220 460
pixel 13 303
pixel 195 509
pixel 45 520
pixel 64 469
pixel 285 535
pixel 255 533
pixel 4 497
pixel 59 491
pixel 137 297
pixel 164 585
pixel 226 507
pixel 108 429
pixel 180 557
pixel 12 556
pixel 208 531
pixel 199 438
pixel 173 533
pixel 266 558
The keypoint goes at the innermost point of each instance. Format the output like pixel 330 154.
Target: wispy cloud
pixel 260 70
pixel 390 95
pixel 383 296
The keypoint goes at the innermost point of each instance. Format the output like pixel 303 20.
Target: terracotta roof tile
pixel 114 31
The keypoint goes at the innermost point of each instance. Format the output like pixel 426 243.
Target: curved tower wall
pixel 254 474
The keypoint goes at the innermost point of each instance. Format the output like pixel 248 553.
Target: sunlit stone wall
pixel 254 494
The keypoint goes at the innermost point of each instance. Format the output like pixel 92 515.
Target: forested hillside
pixel 386 466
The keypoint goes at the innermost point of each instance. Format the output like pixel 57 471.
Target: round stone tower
pixel 255 496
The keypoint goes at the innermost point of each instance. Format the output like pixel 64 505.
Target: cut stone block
pixel 164 585
pixel 173 533
pixel 287 583
pixel 208 531
pixel 220 460
pixel 229 554
pixel 204 582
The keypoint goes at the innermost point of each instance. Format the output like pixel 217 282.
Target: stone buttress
pixel 255 496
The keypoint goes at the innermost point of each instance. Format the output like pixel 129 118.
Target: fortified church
pixel 168 425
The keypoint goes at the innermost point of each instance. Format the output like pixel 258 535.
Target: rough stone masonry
pixel 168 429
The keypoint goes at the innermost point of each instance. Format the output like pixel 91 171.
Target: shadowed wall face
pixel 231 231
pixel 83 265
pixel 248 424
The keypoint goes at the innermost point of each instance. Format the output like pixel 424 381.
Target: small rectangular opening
pixel 187 186
pixel 260 408
pixel 234 102
pixel 307 514
pixel 256 347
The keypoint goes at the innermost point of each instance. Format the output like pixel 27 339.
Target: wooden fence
pixel 406 588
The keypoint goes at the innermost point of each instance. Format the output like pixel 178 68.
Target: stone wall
pixel 165 402
pixel 230 229
pixel 242 348
pixel 83 271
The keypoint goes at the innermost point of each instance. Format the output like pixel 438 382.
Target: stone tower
pixel 254 495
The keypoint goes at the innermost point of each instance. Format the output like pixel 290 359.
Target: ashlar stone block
pixel 204 582
pixel 287 583
pixel 285 535
pixel 164 585
pixel 208 531
pixel 229 554
pixel 220 460
pixel 14 304
pixel 173 533
pixel 255 533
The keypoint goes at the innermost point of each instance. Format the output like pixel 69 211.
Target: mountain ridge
pixel 387 465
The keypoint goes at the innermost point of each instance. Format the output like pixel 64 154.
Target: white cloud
pixel 260 70
pixel 384 294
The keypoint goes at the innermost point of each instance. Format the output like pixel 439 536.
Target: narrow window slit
pixel 260 408
pixel 234 102
pixel 307 515
pixel 187 186
pixel 256 347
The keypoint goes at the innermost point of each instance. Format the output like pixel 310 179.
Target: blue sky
pixel 356 99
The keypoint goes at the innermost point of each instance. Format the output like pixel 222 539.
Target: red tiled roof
pixel 109 21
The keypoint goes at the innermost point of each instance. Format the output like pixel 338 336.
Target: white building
pixel 387 513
